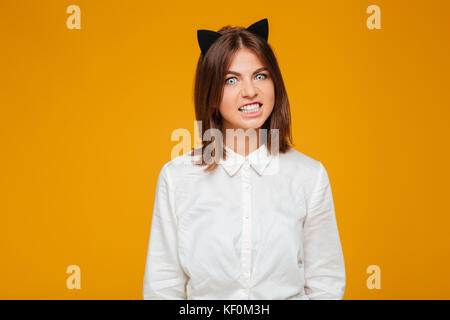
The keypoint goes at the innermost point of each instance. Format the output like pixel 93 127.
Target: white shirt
pixel 258 227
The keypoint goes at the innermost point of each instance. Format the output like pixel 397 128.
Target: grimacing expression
pixel 248 93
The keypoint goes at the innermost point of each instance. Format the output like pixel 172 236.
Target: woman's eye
pixel 230 82
pixel 263 76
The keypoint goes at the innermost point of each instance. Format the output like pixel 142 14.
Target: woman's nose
pixel 248 89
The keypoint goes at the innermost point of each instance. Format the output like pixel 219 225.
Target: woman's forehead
pixel 245 60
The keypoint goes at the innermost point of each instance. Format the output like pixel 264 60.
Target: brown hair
pixel 209 85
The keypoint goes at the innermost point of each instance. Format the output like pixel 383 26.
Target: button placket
pixel 246 229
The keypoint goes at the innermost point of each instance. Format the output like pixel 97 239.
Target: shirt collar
pixel 258 159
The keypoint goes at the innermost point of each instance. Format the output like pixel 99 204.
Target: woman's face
pixel 247 82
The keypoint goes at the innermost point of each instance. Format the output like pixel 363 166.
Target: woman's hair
pixel 209 86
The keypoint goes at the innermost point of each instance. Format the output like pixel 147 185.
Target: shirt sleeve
pixel 164 278
pixel 323 257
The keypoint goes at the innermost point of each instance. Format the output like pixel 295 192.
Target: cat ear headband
pixel 207 37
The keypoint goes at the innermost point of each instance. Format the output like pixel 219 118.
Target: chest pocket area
pixel 207 233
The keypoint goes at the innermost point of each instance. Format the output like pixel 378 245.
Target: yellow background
pixel 87 115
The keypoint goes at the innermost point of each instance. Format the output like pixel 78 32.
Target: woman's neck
pixel 241 141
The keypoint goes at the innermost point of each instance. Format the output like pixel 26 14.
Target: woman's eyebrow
pixel 238 74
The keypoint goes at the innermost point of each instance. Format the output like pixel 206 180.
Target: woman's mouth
pixel 251 109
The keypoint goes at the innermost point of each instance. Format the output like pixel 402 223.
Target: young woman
pixel 243 216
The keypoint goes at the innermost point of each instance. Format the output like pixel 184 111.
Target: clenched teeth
pixel 250 108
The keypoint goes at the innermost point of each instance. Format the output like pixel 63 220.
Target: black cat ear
pixel 206 38
pixel 260 28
